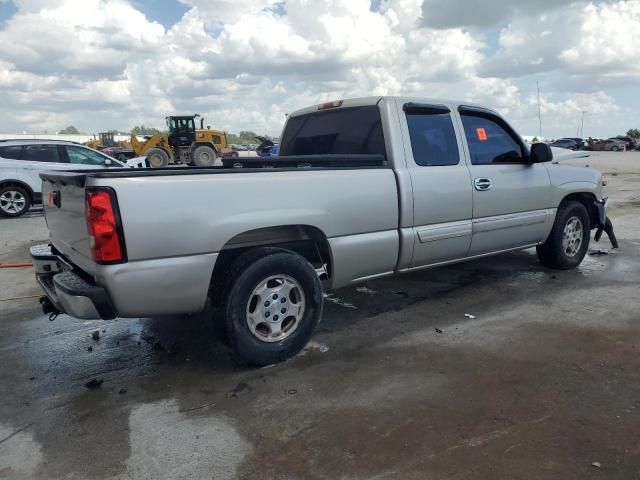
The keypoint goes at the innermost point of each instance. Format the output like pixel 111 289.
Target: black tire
pixel 247 273
pixel 9 194
pixel 157 158
pixel 552 252
pixel 615 149
pixel 203 156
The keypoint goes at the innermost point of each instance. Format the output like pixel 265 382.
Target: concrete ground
pixel 541 383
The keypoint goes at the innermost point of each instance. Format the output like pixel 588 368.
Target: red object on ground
pixel 15 265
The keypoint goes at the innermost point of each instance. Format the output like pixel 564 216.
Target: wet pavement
pixel 398 383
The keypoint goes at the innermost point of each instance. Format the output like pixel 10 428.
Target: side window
pixel 344 131
pixel 84 156
pixel 433 140
pixel 41 153
pixel 489 142
pixel 13 152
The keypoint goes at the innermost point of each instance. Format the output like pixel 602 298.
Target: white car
pixel 22 161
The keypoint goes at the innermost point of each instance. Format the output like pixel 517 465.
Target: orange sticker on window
pixel 482 134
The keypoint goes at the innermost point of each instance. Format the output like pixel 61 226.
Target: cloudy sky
pixel 102 64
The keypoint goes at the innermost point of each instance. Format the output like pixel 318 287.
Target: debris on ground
pixel 292 391
pixel 371 291
pixel 596 464
pixel 122 391
pixel 96 335
pixel 240 390
pixel 32 378
pixel 329 297
pixel 90 348
pixel 553 277
pixel 468 315
pixel 94 383
pixel 439 330
pixel 367 290
pixel 323 348
pixel 597 253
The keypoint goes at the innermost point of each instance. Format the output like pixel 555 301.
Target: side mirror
pixel 107 162
pixel 540 152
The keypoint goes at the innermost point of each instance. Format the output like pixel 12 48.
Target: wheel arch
pixel 19 183
pixel 306 240
pixel 587 199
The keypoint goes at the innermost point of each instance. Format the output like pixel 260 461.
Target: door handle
pixel 482 184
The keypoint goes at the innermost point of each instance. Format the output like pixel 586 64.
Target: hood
pixel 560 154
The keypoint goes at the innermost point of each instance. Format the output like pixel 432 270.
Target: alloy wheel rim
pixel 12 201
pixel 275 308
pixel 572 237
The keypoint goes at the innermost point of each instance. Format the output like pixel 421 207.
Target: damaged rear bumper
pixel 67 291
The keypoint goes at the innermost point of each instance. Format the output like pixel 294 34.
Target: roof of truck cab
pixel 364 101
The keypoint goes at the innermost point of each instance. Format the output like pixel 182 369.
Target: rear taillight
pixel 105 230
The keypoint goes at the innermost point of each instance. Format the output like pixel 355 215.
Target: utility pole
pixel 539 114
pixel 582 123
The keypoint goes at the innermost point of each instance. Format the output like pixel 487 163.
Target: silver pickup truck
pixel 362 189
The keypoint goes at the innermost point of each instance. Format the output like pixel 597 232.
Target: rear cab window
pixel 340 131
pixel 490 139
pixel 433 138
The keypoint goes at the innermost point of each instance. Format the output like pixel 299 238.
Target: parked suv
pixel 22 161
pixel 569 143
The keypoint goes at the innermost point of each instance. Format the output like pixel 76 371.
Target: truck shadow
pixel 198 339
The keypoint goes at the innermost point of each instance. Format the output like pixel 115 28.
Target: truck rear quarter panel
pixel 175 225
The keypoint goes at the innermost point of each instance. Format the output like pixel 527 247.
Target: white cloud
pixel 597 41
pixel 243 64
pixel 485 13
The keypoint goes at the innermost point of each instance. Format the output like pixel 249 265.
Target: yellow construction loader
pixel 104 139
pixel 183 144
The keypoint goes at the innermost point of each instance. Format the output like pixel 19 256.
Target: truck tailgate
pixel 63 198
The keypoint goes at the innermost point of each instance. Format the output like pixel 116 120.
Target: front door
pixel 511 197
pixel 442 198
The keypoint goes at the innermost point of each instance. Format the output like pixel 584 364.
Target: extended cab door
pixel 442 198
pixel 510 195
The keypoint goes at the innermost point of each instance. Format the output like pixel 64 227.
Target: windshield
pixel 181 125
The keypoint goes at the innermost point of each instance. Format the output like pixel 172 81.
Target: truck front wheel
pixel 272 305
pixel 568 241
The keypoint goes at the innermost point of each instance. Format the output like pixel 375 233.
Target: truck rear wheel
pixel 157 158
pixel 568 241
pixel 272 305
pixel 203 156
